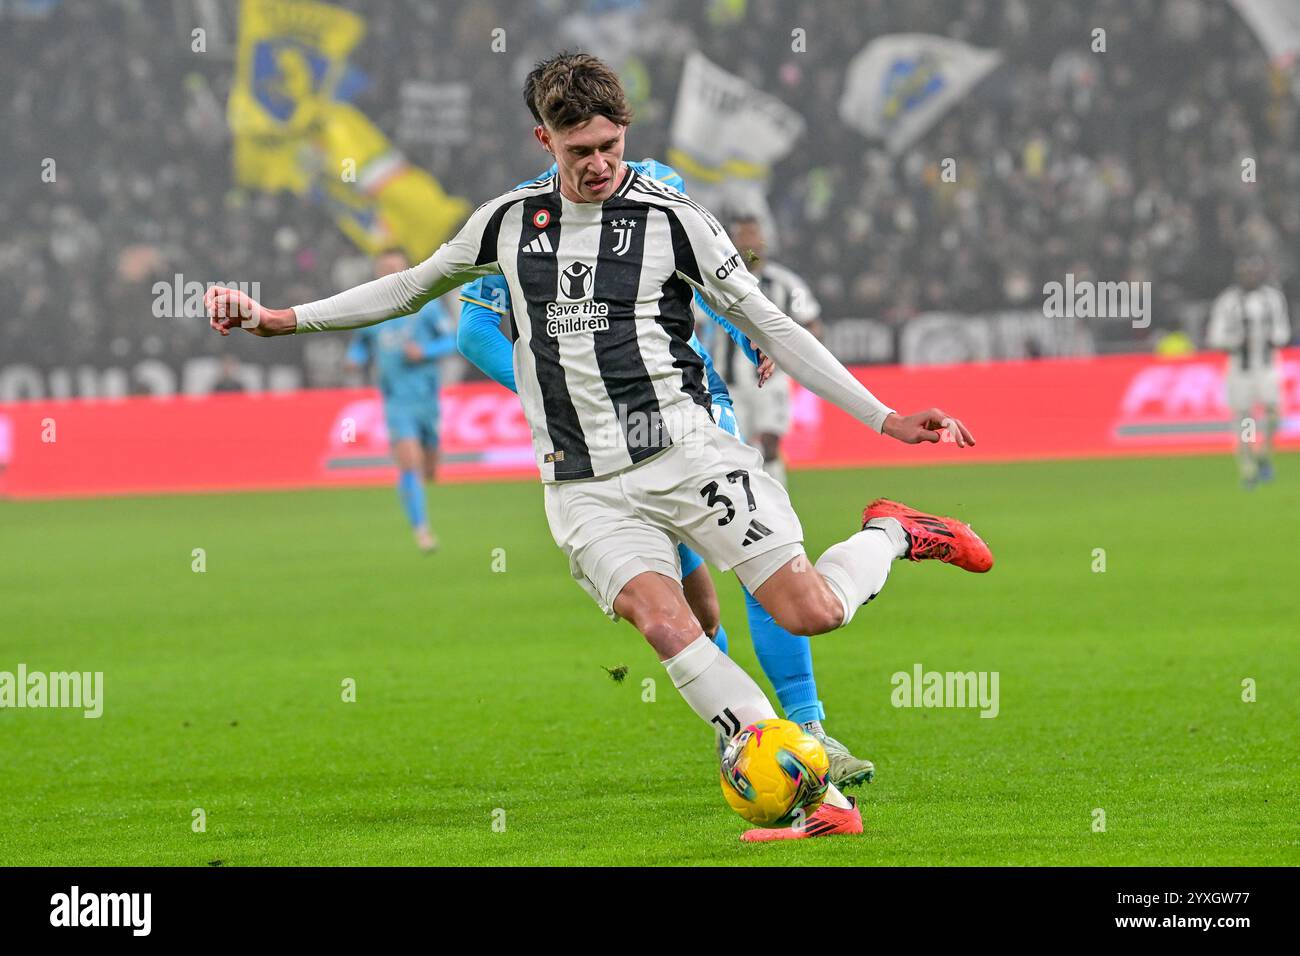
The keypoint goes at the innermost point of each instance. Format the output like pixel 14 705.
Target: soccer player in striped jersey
pixel 405 353
pixel 1249 321
pixel 786 658
pixel 602 264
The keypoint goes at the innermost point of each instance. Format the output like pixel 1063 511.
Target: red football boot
pixel 931 537
pixel 824 821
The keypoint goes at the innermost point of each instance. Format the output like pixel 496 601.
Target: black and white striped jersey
pixel 1250 326
pixel 602 353
pixel 789 293
pixel 602 320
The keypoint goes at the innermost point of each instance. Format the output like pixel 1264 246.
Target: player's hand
pixel 766 366
pixel 230 309
pixel 932 425
pixel 413 353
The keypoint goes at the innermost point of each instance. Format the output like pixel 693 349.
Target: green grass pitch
pixel 480 691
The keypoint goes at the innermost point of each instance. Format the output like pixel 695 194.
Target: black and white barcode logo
pixel 623 232
pixel 576 281
pixel 134 910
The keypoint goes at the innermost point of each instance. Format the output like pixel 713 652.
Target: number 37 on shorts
pixel 738 510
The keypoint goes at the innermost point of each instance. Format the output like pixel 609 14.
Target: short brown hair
pixel 570 88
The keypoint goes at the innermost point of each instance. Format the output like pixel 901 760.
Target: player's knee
pixel 817 613
pixel 663 619
pixel 828 615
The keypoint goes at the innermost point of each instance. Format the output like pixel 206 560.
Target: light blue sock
pixel 786 659
pixel 411 490
pixel 721 639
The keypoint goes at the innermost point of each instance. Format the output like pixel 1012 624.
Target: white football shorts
pixel 709 491
pixel 1248 388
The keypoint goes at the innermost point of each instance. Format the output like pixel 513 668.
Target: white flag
pixel 726 134
pixel 1276 23
pixel 899 85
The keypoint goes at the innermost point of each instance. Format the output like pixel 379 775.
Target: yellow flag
pixel 292 54
pixel 379 199
pixel 291 133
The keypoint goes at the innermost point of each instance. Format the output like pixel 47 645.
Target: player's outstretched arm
pixel 400 293
pixel 811 364
pixel 708 260
pixel 456 262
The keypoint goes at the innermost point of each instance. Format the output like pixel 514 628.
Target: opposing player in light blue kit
pixel 786 658
pixel 405 352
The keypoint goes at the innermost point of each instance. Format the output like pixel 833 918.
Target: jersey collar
pixel 627 182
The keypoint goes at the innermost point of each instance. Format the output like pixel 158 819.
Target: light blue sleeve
pixel 359 348
pixel 431 331
pixel 662 172
pixel 479 338
pixel 737 336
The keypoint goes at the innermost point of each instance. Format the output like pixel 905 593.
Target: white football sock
pixel 716 687
pixel 722 693
pixel 856 568
pixel 835 798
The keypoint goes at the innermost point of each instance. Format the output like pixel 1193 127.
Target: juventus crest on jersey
pixel 602 316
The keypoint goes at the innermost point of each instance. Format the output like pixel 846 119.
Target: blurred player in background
pixel 1249 322
pixel 766 410
pixel 785 658
pixel 405 352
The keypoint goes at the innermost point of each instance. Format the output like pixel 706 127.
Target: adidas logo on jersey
pixel 541 243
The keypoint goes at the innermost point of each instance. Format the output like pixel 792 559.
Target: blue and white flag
pixel 899 85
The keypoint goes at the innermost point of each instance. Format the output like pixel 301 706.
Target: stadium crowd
pixel 1123 164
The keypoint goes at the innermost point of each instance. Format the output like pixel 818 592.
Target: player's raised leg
pixel 814 599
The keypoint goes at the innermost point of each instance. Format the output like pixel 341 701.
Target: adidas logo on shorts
pixel 756 531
